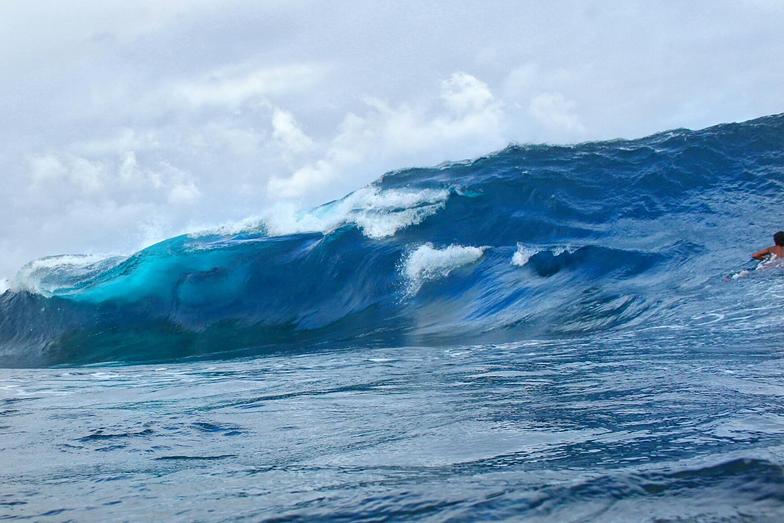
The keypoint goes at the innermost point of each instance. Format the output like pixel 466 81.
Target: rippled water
pixel 660 424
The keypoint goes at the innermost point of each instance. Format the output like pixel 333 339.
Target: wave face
pixel 531 242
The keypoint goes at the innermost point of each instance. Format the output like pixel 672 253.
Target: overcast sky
pixel 125 122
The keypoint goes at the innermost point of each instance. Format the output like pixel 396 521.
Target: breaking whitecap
pixel 52 273
pixel 429 263
pixel 523 254
pixel 376 212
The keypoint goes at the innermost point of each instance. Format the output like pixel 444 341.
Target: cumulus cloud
pixel 122 179
pixel 465 93
pixel 292 140
pixel 555 112
pixel 234 86
pixel 48 171
pixel 184 193
pixel 464 116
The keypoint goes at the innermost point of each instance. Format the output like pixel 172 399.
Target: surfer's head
pixel 778 238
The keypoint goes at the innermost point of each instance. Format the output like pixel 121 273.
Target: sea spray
pixel 429 263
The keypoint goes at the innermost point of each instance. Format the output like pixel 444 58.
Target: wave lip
pixel 48 275
pixel 378 213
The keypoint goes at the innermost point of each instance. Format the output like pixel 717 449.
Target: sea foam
pixel 522 255
pixel 378 213
pixel 429 263
pixel 47 275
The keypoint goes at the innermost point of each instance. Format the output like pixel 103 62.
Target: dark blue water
pixel 549 333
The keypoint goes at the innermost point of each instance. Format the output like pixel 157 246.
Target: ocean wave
pixel 533 240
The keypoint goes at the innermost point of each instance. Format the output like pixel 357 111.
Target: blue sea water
pixel 549 333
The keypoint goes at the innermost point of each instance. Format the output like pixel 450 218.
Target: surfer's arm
pixel 760 255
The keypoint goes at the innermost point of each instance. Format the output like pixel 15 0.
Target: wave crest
pixel 428 263
pixel 377 213
pixel 48 275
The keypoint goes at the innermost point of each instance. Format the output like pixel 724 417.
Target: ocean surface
pixel 548 333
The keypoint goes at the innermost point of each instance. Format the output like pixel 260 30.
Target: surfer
pixel 776 250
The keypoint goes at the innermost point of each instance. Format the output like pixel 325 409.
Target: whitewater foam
pixel 429 263
pixel 249 224
pixel 378 213
pixel 523 254
pixel 772 262
pixel 568 249
pixel 47 275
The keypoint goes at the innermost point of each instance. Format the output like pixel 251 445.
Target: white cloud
pixel 464 93
pixel 184 193
pixel 69 178
pixel 555 112
pixel 123 139
pixel 286 131
pixel 234 86
pixel 45 168
pixel 465 116
pixel 220 137
pixel 50 172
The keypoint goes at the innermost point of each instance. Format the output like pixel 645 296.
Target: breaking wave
pixel 532 241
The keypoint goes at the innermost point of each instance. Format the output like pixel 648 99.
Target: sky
pixel 126 122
